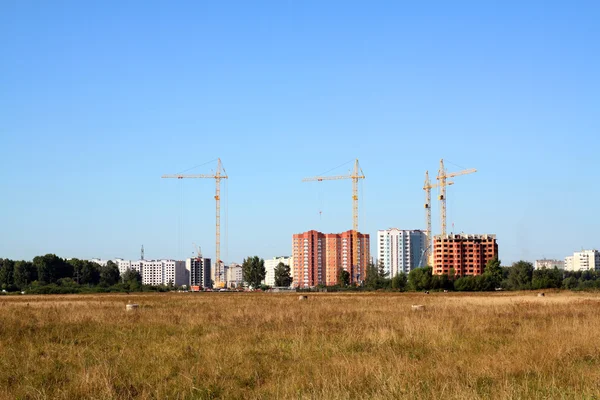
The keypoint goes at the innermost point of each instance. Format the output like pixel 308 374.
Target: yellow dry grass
pixel 333 346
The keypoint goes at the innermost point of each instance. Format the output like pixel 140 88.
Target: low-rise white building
pixel 585 260
pixel 235 276
pixel 270 266
pixel 549 264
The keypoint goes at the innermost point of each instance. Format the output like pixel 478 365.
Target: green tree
pixel 343 278
pixel 377 277
pixel 109 274
pixel 547 278
pixel 464 284
pixel 520 275
pixel 7 274
pixel 385 282
pixel 371 276
pixel 253 271
pixel 492 274
pixel 399 282
pixel 24 274
pixel 51 268
pixel 132 280
pixel 441 282
pixel 420 279
pixel 77 266
pixel 90 273
pixel 569 283
pixel 282 275
pixel 85 272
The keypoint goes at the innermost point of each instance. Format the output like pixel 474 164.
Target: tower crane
pixel 198 251
pixel 217 176
pixel 442 177
pixel 427 186
pixel 355 175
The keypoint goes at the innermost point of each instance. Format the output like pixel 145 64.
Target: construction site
pixel 319 258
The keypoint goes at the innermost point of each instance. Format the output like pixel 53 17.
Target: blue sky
pixel 99 99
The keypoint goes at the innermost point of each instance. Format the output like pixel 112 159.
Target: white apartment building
pixel 583 261
pixel 270 266
pixel 153 272
pixel 198 272
pixel 549 264
pixel 235 277
pixel 124 265
pixel 401 250
pixel 569 263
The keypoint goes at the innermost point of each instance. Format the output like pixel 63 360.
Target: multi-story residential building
pixel 270 266
pixel 569 263
pixel 161 272
pixel 235 276
pixel 153 272
pixel 198 272
pixel 465 254
pixel 549 264
pixel 318 258
pixel 399 251
pixel 124 265
pixel 585 260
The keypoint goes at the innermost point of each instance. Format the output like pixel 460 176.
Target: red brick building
pixel 318 257
pixel 467 254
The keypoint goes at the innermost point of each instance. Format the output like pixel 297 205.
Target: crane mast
pixel 427 189
pixel 427 186
pixel 217 176
pixel 355 175
pixel 355 178
pixel 442 183
pixel 218 269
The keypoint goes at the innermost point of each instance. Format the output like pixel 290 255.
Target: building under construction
pixel 198 272
pixel 465 254
pixel 319 257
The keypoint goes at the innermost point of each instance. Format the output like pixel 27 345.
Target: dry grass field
pixel 332 346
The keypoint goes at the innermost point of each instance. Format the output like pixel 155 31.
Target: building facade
pixel 235 276
pixel 585 260
pixel 198 272
pixel 549 264
pixel 161 272
pixel 318 258
pixel 399 251
pixel 463 253
pixel 153 272
pixel 270 266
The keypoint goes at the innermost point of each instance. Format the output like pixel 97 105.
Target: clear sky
pixel 99 99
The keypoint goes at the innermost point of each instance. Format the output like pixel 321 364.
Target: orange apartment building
pixel 318 257
pixel 467 254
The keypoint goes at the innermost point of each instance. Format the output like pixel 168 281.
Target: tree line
pixel 52 274
pixel 519 276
